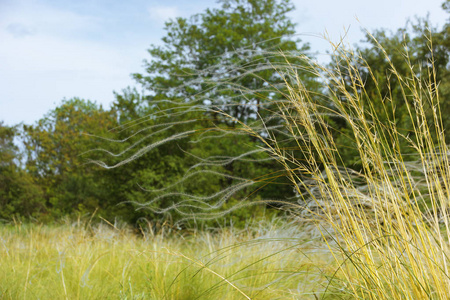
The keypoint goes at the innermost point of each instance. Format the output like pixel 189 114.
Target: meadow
pixel 268 260
pixel 377 232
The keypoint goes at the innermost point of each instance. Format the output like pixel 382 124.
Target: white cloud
pixel 41 18
pixel 162 14
pixel 45 56
pixel 19 30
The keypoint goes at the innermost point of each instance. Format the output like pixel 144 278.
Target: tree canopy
pixel 223 56
pixel 215 73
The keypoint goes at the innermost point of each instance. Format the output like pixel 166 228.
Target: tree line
pixel 46 169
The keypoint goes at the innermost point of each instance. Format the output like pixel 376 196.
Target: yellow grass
pixel 78 261
pixel 392 230
pixel 385 228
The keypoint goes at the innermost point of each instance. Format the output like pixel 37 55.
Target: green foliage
pixel 19 195
pixel 54 149
pixel 222 59
pixel 222 56
pixel 216 73
pixel 411 50
pixel 418 50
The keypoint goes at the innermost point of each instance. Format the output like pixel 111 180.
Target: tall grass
pixel 386 224
pixel 390 219
pixel 85 261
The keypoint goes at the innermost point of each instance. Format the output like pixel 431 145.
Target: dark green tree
pixel 419 50
pixel 55 147
pixel 226 59
pixel 19 195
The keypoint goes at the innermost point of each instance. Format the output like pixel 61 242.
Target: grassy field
pixel 381 232
pixel 79 261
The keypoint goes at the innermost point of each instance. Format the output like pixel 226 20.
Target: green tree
pixel 54 157
pixel 211 55
pixel 223 59
pixel 416 45
pixel 19 195
pixel 422 44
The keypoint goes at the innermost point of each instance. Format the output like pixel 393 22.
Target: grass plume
pixel 386 224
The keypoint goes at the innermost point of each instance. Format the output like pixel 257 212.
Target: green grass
pixel 100 262
pixel 381 232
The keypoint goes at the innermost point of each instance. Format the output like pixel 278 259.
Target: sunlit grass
pixel 380 232
pixel 389 219
pixel 78 261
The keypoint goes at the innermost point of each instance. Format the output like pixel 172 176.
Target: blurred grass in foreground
pixel 77 261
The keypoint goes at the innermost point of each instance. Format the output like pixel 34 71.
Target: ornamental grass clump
pixel 370 168
pixel 390 217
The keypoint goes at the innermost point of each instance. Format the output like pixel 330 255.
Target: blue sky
pixel 50 50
